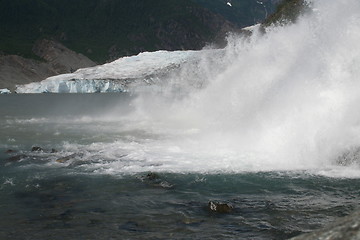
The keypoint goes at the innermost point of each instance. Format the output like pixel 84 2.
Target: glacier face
pixel 120 75
pixel 4 91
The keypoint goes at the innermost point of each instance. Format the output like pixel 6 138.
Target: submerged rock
pixel 344 228
pixel 154 180
pixel 16 158
pixel 220 207
pixel 10 151
pixel 152 176
pixel 40 149
pixel 37 149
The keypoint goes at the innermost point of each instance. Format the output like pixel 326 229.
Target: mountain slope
pixel 104 30
pixel 57 59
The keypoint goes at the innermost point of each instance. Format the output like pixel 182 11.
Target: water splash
pixel 284 100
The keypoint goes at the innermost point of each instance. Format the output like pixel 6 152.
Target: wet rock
pixel 154 180
pixel 10 151
pixel 37 149
pixel 220 207
pixel 16 158
pixel 343 228
pixel 53 150
pixel 152 176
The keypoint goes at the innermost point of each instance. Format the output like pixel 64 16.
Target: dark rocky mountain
pixel 104 30
pixel 56 59
pixel 50 37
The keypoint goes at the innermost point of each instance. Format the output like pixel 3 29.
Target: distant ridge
pixel 89 32
pixel 104 30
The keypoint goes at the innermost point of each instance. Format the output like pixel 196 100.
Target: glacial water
pixel 103 192
pixel 269 126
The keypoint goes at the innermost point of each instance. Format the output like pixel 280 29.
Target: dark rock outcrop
pixel 61 59
pixel 37 149
pixel 15 70
pixel 154 180
pixel 220 207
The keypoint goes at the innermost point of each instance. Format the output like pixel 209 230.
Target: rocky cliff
pixel 55 59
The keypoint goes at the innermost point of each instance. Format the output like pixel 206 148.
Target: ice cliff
pixel 118 76
pixel 4 91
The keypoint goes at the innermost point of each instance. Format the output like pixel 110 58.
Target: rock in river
pixel 36 149
pixel 154 180
pixel 220 207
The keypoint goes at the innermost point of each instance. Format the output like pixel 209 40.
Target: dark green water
pixel 40 203
pixel 103 191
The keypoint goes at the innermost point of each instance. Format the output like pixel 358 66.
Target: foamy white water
pixel 284 100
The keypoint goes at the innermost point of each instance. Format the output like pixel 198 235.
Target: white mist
pixel 280 101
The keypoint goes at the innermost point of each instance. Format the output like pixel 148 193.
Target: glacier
pixel 148 70
pixel 121 75
pixel 4 91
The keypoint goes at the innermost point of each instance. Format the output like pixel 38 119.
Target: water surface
pixel 103 192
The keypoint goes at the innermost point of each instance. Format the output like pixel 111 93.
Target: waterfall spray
pixel 285 99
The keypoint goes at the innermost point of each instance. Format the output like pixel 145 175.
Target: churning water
pixel 269 125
